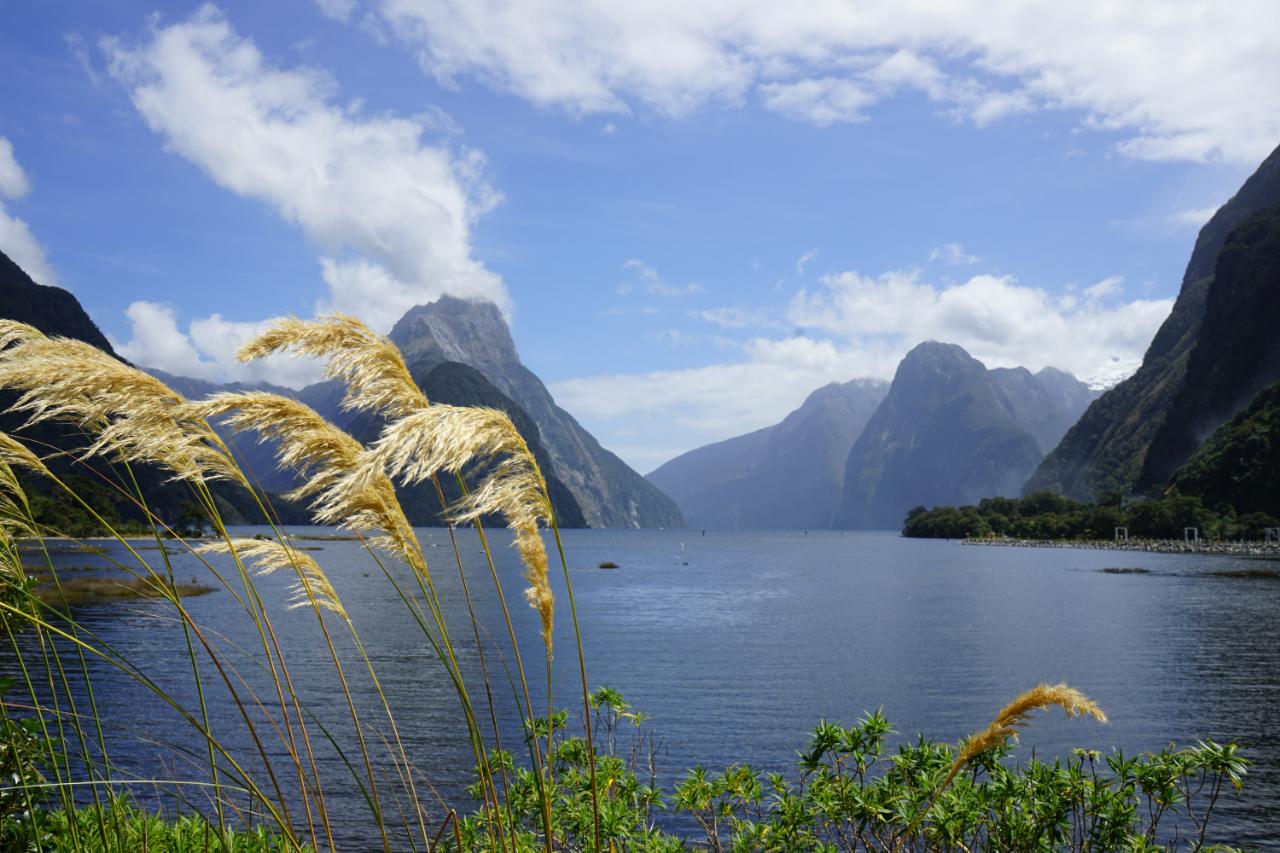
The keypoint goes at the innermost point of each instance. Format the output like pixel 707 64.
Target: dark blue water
pixel 735 644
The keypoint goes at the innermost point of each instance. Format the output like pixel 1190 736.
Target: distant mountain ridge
pixel 1107 450
pixel 787 476
pixel 950 431
pixel 475 334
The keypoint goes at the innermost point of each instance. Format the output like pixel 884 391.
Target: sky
pixel 692 214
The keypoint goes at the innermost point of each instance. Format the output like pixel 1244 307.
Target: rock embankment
pixel 1159 546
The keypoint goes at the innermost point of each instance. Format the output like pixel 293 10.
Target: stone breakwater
pixel 1159 546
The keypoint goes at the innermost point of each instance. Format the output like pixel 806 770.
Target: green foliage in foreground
pixel 1044 515
pixel 852 793
pixel 123 828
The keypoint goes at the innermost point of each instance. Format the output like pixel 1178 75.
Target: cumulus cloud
pixel 16 239
pixel 857 326
pixel 391 213
pixel 998 320
pixel 206 350
pixel 829 62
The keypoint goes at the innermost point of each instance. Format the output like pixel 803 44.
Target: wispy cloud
pixel 828 63
pixel 646 279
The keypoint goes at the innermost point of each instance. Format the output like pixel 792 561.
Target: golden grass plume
pixel 15 510
pixel 13 332
pixel 134 414
pixel 270 556
pixel 326 458
pixel 1016 715
pixel 371 366
pixel 449 438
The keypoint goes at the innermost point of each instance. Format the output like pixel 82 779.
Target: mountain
pixel 951 432
pixel 1106 451
pixel 459 385
pixel 609 492
pixel 788 475
pixel 448 382
pixel 1238 466
pixel 56 312
pixel 1238 349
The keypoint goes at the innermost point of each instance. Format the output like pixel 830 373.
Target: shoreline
pixel 1269 550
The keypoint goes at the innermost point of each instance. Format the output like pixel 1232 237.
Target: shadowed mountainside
pixel 1107 449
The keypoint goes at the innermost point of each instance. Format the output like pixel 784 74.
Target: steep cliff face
pixel 609 493
pixel 1107 449
pixel 1237 352
pixel 789 475
pixel 950 432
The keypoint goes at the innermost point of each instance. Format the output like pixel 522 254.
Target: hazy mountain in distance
pixel 789 475
pixel 475 334
pixel 1107 449
pixel 951 432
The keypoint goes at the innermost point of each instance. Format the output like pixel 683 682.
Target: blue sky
pixel 694 214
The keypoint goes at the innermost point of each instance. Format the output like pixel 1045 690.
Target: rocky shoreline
pixel 1159 546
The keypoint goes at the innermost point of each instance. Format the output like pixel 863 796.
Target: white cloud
pixel 736 316
pixel 16 239
pixel 13 180
pixel 827 62
pixel 1109 286
pixel 207 349
pixel 339 10
pixel 391 214
pixel 803 261
pixel 998 320
pixel 820 101
pixel 861 326
pixel 1193 218
pixel 953 253
pixel 647 278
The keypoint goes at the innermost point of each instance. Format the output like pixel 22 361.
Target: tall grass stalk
pixel 131 418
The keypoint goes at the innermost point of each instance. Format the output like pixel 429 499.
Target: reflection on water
pixel 736 644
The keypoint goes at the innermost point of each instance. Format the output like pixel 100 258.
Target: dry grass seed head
pixel 371 366
pixel 326 458
pixel 443 438
pixel 1016 714
pixel 270 556
pixel 134 414
pixel 13 332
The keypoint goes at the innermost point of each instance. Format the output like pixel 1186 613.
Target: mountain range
pixel 458 352
pixel 862 453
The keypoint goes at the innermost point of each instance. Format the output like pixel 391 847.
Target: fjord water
pixel 736 644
